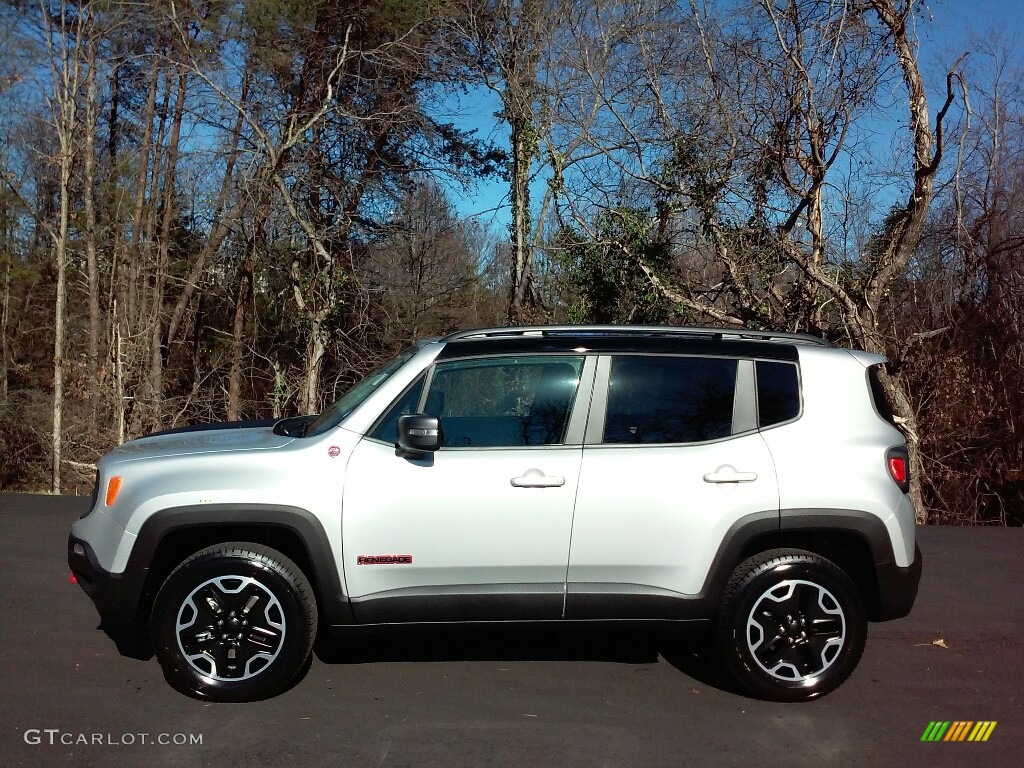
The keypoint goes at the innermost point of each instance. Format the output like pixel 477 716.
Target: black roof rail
pixel 635 330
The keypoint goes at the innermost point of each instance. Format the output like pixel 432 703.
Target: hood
pixel 204 438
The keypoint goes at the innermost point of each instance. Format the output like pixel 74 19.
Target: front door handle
pixel 728 474
pixel 535 478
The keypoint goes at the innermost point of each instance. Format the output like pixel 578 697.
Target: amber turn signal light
pixel 113 488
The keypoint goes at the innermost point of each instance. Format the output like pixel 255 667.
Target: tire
pixel 792 625
pixel 234 622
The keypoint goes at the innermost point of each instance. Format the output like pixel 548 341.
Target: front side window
pixel 504 402
pixel 387 426
pixel 669 399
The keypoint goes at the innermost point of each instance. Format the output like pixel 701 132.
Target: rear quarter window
pixel 778 393
pixel 878 397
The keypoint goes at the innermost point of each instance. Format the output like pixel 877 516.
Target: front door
pixel 479 530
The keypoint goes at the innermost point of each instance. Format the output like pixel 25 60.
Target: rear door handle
pixel 535 478
pixel 728 474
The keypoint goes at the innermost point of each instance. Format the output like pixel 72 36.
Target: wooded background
pixel 225 210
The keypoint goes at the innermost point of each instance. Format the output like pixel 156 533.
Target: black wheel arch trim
pixel 303 524
pixel 118 596
pixel 896 585
pixel 870 527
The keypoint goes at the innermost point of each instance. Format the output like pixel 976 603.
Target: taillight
pixel 898 463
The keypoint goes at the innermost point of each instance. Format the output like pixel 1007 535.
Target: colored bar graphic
pixel 935 731
pixel 982 730
pixel 958 730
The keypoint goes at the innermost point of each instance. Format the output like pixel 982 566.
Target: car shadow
pixel 695 657
pixel 690 654
pixel 488 644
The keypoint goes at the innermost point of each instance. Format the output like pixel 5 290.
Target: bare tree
pixel 7 254
pixel 908 222
pixel 423 267
pixel 505 39
pixel 731 141
pixel 64 38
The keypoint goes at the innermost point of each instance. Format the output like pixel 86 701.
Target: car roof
pixel 727 342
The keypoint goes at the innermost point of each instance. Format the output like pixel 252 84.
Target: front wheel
pixel 792 625
pixel 234 622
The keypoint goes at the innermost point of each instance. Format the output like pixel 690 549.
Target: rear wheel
pixel 792 625
pixel 234 622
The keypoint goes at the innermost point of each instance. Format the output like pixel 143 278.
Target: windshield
pixel 334 414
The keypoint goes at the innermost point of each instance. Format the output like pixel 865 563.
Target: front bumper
pixel 897 587
pixel 116 599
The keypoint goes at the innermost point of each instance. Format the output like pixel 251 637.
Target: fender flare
pixel 896 585
pixel 327 582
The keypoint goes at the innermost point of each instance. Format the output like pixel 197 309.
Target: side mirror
pixel 419 433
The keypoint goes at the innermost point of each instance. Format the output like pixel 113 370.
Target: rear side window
pixel 669 399
pixel 778 393
pixel 878 395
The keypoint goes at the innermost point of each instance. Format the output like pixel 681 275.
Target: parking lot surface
pixel 512 697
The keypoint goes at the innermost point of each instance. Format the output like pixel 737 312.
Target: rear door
pixel 672 459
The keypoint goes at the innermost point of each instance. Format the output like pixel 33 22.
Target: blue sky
pixel 958 21
pixel 946 28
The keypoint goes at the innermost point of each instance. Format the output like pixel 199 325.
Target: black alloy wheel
pixel 792 625
pixel 234 622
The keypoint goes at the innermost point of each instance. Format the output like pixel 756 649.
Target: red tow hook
pixel 72 579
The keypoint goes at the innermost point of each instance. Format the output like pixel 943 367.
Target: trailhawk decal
pixel 384 560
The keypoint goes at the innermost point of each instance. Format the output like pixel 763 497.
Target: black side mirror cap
pixel 419 433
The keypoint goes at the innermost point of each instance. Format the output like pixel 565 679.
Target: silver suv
pixel 748 482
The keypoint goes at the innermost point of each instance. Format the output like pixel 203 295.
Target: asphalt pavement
pixel 512 698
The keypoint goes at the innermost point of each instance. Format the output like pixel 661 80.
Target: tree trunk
pixel 316 348
pixel 114 236
pixel 279 395
pixel 117 350
pixel 522 157
pixel 129 305
pixel 113 118
pixel 65 68
pixel 906 234
pixel 141 323
pixel 222 222
pixel 5 253
pixel 129 314
pixel 60 256
pixel 158 350
pixel 237 341
pixel 520 64
pixel 89 203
